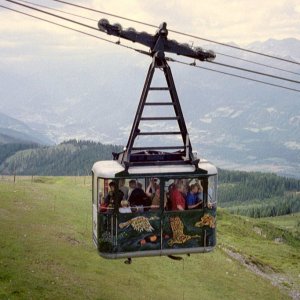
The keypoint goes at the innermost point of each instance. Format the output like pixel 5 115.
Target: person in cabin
pixel 194 198
pixel 139 185
pixel 123 188
pixel 177 196
pixel 200 192
pixel 124 208
pixel 132 186
pixel 153 192
pixel 139 199
pixel 114 196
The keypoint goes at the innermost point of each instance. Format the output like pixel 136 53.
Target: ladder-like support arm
pixel 158 44
pixel 186 154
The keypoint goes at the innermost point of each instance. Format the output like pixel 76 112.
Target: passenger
pixel 185 187
pixel 153 192
pixel 101 204
pixel 192 200
pixel 139 199
pixel 124 209
pixel 176 196
pixel 200 192
pixel 210 203
pixel 123 188
pixel 132 186
pixel 113 196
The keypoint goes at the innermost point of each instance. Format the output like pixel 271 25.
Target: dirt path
pixel 279 280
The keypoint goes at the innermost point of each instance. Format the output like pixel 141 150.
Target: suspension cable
pixel 226 55
pixel 73 29
pixel 255 72
pixel 105 13
pixel 181 33
pixel 58 10
pixel 53 15
pixel 144 52
pixel 233 75
pixel 256 63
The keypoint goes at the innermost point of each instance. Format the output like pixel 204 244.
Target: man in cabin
pixel 123 188
pixel 139 199
pixel 132 187
pixel 176 196
pixel 114 196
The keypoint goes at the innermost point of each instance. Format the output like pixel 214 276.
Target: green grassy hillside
pixel 289 223
pixel 46 252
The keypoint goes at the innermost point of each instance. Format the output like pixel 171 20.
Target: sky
pixel 46 70
pixel 241 22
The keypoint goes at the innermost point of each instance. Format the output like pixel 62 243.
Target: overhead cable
pixel 181 33
pixel 58 10
pixel 70 28
pixel 233 75
pixel 255 72
pixel 53 15
pixel 105 13
pixel 226 55
pixel 256 63
pixel 144 52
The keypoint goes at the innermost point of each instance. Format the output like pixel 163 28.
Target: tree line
pixel 269 208
pixel 256 194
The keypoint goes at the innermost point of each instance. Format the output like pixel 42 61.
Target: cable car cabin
pixel 153 210
pixel 149 202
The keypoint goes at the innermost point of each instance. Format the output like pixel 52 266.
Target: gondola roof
pixel 112 169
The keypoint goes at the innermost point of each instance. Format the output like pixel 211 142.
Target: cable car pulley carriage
pixel 139 207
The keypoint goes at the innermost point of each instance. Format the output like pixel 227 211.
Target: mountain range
pixel 235 123
pixel 16 131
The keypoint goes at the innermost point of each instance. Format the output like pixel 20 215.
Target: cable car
pixel 155 199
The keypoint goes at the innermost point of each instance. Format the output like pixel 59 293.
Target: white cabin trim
pixel 109 168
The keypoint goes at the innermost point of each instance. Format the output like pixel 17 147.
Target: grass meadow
pixel 46 252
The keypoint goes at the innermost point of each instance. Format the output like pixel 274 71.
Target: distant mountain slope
pixel 8 139
pixel 68 158
pixel 13 131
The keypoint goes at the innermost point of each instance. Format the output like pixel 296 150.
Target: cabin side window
pixel 212 192
pixel 129 195
pixel 186 193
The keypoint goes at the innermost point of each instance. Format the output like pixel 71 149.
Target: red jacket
pixel 177 199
